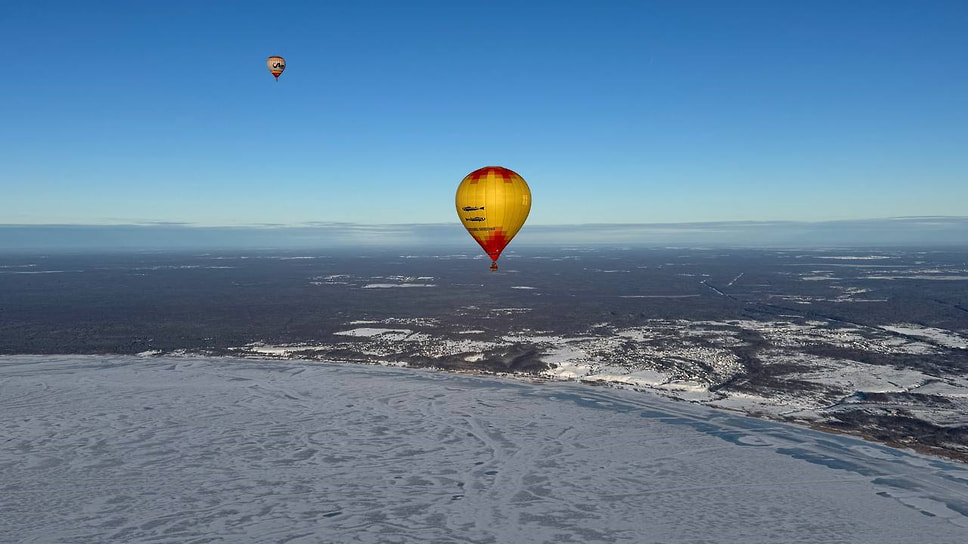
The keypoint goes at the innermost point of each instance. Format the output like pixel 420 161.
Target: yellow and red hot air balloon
pixel 276 65
pixel 493 203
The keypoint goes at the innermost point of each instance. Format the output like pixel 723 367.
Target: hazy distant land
pixel 930 232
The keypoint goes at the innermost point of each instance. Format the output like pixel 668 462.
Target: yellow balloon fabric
pixel 276 65
pixel 493 203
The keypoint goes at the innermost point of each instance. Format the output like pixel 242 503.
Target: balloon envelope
pixel 493 203
pixel 276 65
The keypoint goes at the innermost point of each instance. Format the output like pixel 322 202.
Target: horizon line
pixel 321 224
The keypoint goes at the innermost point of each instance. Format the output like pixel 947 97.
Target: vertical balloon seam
pixel 481 198
pixel 489 214
pixel 509 215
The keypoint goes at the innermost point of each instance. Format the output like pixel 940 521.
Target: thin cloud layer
pixel 906 231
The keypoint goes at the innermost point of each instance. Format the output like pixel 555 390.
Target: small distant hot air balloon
pixel 493 203
pixel 276 66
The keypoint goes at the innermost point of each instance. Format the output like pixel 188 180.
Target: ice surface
pixel 169 449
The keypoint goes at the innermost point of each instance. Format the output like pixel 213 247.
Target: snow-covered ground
pixel 193 449
pixel 940 336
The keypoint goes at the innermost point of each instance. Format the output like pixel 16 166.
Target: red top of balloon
pixel 499 171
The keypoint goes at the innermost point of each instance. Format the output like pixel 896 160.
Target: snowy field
pixel 190 450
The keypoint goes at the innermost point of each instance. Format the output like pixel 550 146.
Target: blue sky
pixel 615 112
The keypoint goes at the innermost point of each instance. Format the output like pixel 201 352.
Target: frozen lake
pixel 130 449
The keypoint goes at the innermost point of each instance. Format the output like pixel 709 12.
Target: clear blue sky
pixel 614 111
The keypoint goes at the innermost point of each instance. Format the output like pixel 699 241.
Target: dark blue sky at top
pixel 615 112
